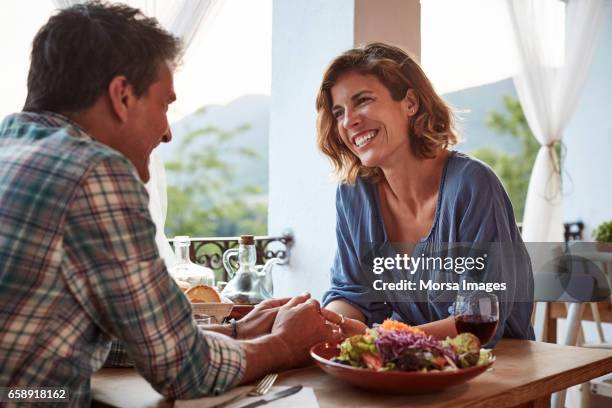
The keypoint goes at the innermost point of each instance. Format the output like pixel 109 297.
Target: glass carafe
pixel 249 284
pixel 186 273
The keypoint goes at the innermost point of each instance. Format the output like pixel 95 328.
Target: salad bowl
pixel 393 382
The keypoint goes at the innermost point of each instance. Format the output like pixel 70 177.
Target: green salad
pixel 396 346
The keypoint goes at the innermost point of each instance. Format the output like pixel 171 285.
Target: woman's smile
pixel 364 138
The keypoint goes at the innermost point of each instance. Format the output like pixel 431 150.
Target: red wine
pixel 480 326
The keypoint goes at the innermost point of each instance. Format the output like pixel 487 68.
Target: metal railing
pixel 208 251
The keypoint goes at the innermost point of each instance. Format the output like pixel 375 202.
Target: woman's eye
pixel 362 100
pixel 337 114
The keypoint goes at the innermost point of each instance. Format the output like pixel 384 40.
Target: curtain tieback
pixel 552 153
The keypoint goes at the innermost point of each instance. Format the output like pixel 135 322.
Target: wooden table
pixel 524 374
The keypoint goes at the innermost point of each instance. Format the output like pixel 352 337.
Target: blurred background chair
pixel 578 277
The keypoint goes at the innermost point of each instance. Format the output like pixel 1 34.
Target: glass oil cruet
pixel 250 283
pixel 185 272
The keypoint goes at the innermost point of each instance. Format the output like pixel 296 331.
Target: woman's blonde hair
pixel 431 128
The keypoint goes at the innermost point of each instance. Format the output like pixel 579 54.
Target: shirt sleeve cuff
pixel 227 362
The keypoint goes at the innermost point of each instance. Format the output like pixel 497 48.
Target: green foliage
pixel 514 169
pixel 205 198
pixel 603 233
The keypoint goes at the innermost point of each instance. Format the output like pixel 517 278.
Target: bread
pixel 203 294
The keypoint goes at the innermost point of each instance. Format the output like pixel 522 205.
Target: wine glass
pixel 477 313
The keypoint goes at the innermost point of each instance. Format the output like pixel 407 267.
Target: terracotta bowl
pixel 392 382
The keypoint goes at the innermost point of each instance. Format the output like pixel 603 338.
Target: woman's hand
pixel 348 327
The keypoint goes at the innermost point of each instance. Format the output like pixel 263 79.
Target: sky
pixel 230 58
pixel 464 43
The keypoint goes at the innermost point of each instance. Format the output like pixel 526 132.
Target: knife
pixel 273 397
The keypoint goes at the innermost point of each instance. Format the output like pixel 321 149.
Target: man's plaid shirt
pixel 79 267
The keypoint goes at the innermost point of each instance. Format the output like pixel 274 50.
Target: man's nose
pixel 167 137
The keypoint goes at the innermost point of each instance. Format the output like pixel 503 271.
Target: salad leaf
pixel 465 343
pixel 467 347
pixel 485 356
pixel 352 349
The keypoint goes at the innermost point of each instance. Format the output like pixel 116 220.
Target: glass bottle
pixel 247 284
pixel 185 272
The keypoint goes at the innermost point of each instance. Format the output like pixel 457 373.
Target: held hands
pixel 287 328
pixel 259 321
pixel 299 325
pixel 296 326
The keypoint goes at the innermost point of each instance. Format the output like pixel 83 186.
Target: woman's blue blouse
pixel 474 218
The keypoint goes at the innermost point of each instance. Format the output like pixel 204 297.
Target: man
pixel 78 261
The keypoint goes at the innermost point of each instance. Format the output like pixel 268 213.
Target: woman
pixel 388 135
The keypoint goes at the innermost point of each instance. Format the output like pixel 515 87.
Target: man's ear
pixel 411 102
pixel 121 96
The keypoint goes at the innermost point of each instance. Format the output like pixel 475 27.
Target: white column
pixel 396 22
pixel 306 36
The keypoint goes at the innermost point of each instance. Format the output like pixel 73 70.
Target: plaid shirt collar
pixel 51 120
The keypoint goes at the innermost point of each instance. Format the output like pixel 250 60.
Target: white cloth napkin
pixel 234 398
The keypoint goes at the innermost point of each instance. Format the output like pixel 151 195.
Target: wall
pixel 306 35
pixel 587 176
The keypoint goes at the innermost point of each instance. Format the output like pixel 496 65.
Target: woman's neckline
pixel 441 189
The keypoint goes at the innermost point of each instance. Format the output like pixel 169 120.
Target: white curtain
pixel 184 19
pixel 556 56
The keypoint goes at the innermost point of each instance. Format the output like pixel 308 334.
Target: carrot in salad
pixel 399 326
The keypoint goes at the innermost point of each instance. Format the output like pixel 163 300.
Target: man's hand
pixel 348 327
pixel 259 321
pixel 299 325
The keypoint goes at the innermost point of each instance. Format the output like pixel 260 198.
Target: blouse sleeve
pixel 350 280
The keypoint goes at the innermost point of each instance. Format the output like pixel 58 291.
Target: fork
pixel 264 385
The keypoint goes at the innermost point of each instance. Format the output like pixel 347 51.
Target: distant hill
pixel 253 110
pixel 473 105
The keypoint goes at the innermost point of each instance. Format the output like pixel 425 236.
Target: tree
pixel 514 169
pixel 205 198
